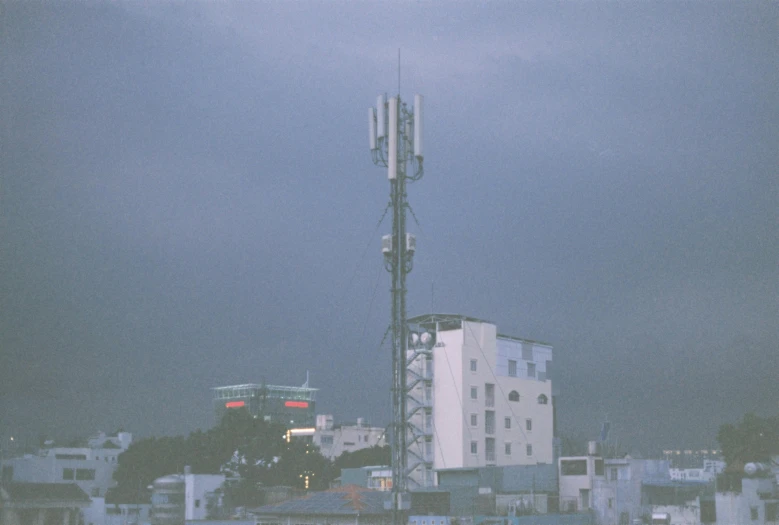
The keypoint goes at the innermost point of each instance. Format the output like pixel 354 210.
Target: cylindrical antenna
pixel 418 152
pixel 381 121
pixel 392 142
pixel 372 128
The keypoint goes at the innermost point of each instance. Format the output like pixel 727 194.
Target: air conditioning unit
pixel 386 244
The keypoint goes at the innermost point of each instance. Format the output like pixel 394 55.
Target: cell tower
pixel 395 134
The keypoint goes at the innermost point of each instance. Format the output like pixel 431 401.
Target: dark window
pixel 70 456
pixel 770 510
pixel 85 474
pixel 529 424
pixel 598 467
pixel 513 395
pixel 542 399
pixel 531 370
pixel 709 512
pixel 197 503
pixel 67 473
pixel 753 513
pixel 512 368
pixel 573 467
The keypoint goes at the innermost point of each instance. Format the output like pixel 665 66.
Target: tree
pixel 754 439
pixel 246 445
pixel 365 457
pixel 302 466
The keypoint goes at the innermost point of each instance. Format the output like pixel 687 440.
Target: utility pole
pixel 395 135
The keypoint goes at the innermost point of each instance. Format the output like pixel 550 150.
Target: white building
pixel 476 398
pixel 91 467
pixel 197 488
pixel 334 440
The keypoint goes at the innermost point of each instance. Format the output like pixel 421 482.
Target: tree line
pixel 250 451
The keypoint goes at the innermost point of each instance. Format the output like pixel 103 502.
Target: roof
pixel 448 318
pixel 433 318
pixel 347 500
pixel 33 492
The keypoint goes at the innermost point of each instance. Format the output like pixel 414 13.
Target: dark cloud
pixel 187 200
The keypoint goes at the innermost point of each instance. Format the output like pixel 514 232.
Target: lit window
pixel 513 395
pixel 473 365
pixel 512 368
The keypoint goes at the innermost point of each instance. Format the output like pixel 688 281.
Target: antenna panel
pixel 381 120
pixel 372 128
pixel 418 152
pixel 392 140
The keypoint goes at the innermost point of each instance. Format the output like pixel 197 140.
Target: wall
pixel 196 486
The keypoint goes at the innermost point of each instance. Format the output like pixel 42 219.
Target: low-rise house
pixel 42 503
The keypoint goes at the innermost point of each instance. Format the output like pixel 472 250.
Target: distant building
pixel 291 406
pixel 378 477
pixel 91 467
pixel 476 398
pixel 179 497
pixel 333 440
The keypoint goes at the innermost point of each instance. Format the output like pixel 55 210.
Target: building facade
pixel 333 440
pixel 291 406
pixel 476 398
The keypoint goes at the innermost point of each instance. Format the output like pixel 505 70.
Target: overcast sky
pixel 187 200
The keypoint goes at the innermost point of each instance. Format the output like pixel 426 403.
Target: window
pixel 489 446
pixel 513 395
pixel 85 474
pixel 611 502
pixel 528 424
pixel 489 395
pixel 771 510
pixel 542 399
pixel 96 492
pixel 474 447
pixel 474 420
pixel 512 368
pixel 473 365
pixel 68 473
pixel 529 450
pixel 573 467
pixel 598 467
pixel 753 513
pixel 527 351
pixel 489 421
pixel 507 449
pixel 531 370
pixel 613 473
pixel 507 422
pixel 326 440
pixel 474 393
pixel 197 503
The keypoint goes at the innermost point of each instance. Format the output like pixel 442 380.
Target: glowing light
pixel 235 404
pixel 296 404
